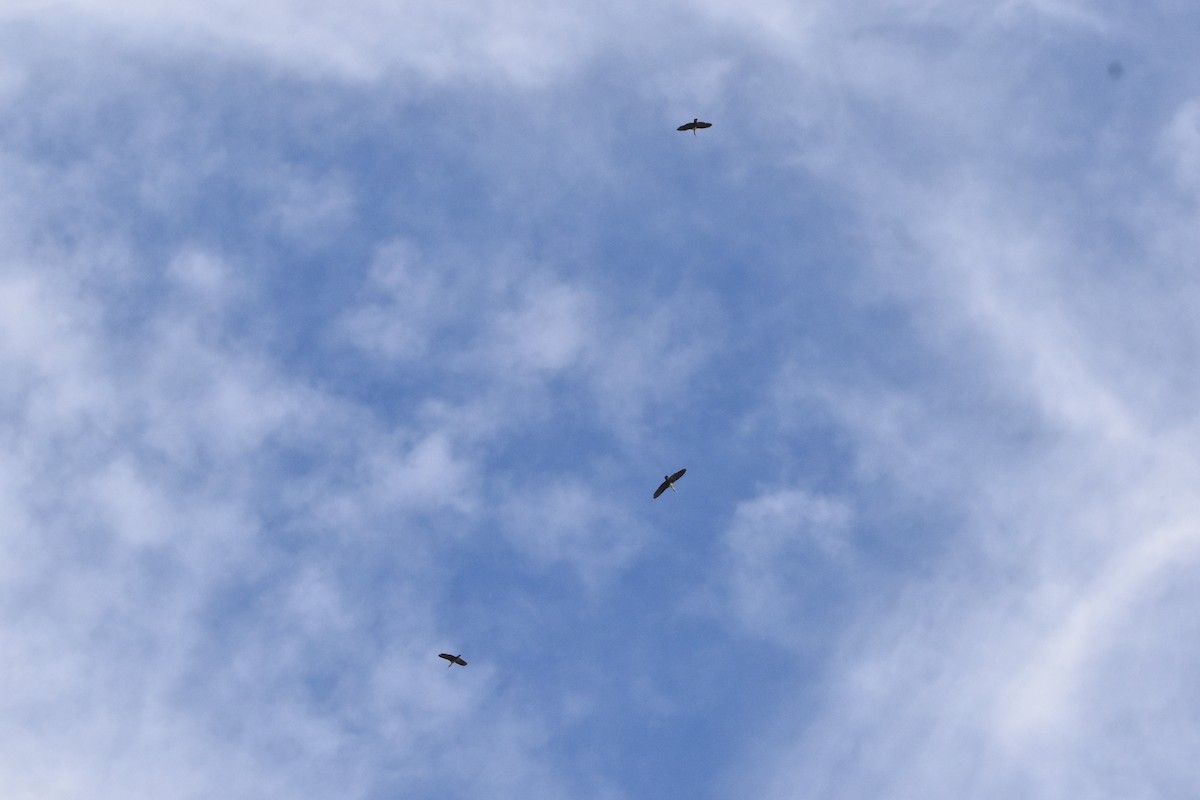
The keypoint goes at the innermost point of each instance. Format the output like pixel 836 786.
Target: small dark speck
pixel 1115 70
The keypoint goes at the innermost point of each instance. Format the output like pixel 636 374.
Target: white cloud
pixel 226 563
pixel 311 209
pixel 481 41
pixel 992 675
pixel 137 483
pixel 546 332
pixel 567 522
pixel 775 547
pixel 402 310
pixel 1180 144
pixel 430 474
pixel 524 332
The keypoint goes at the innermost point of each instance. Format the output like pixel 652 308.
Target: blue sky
pixel 336 339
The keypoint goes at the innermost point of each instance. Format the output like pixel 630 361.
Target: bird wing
pixel 686 127
pixel 678 475
pixel 446 656
pixel 703 124
pixel 661 489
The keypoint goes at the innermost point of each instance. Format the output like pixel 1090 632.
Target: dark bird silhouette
pixel 669 482
pixel 453 660
pixel 693 125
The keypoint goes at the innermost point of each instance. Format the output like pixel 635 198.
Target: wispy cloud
pixel 776 545
pixel 336 338
pixel 996 674
pixel 481 41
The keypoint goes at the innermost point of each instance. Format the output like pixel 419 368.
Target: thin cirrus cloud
pixel 478 41
pixel 234 548
pixel 1009 670
pixel 334 339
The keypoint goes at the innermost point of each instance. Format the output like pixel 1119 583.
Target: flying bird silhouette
pixel 693 125
pixel 669 482
pixel 453 660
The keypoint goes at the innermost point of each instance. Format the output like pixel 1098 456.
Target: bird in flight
pixel 453 660
pixel 693 125
pixel 669 482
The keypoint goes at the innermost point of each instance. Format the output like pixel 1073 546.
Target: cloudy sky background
pixel 334 336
